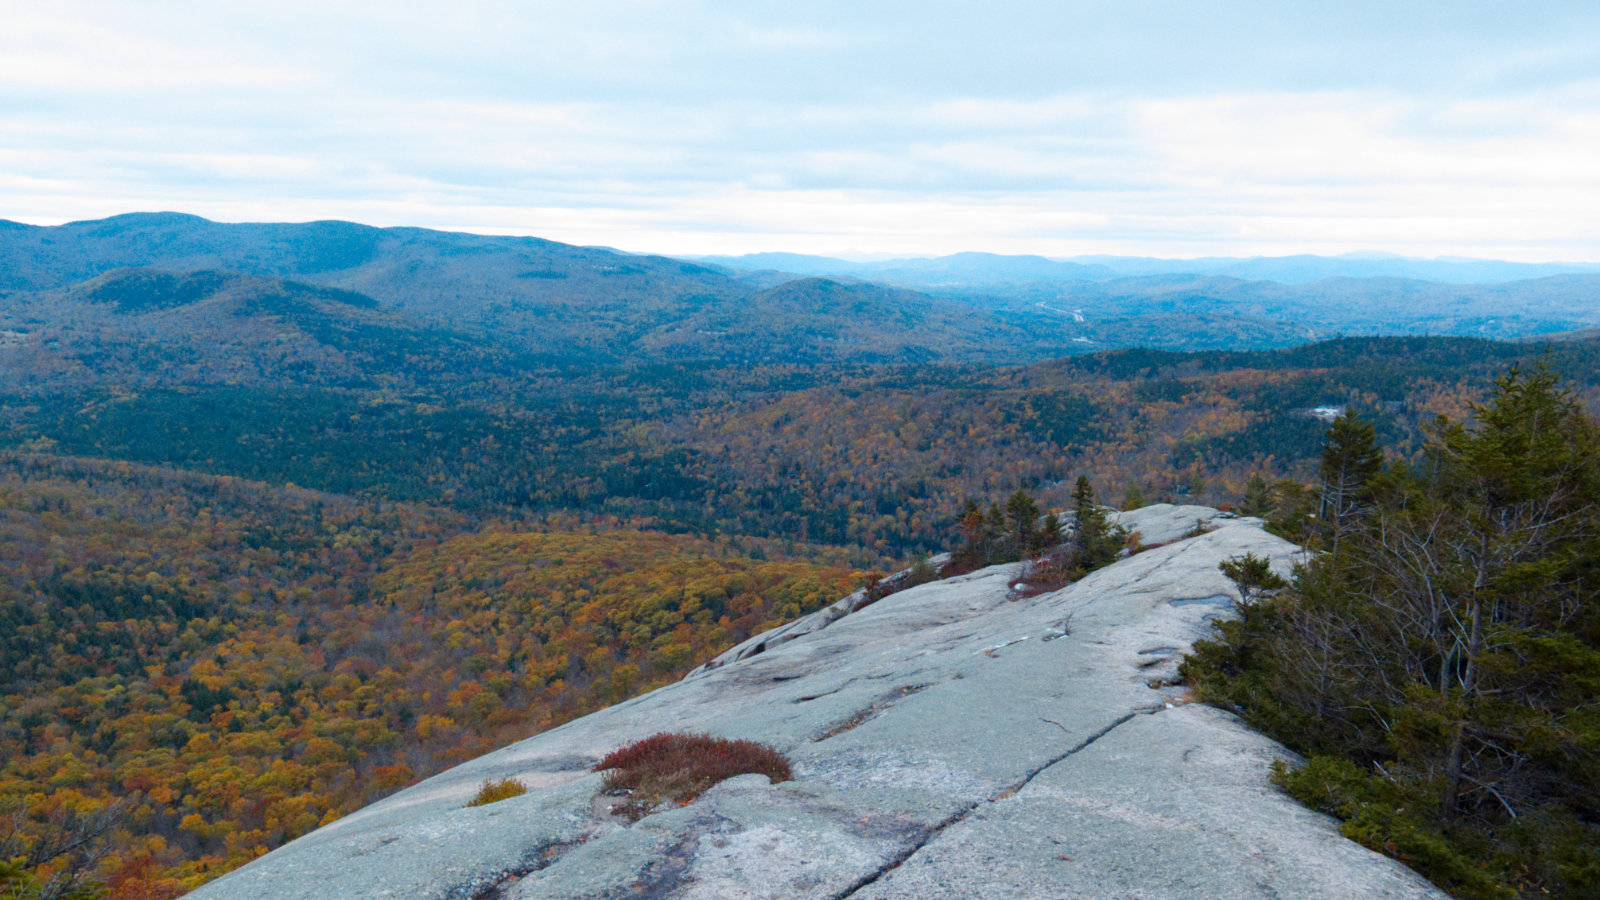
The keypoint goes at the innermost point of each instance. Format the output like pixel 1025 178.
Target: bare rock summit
pixel 951 740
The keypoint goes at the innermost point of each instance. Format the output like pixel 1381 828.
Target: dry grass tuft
pixel 677 768
pixel 495 791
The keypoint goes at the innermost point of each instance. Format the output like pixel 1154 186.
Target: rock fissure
pixel 807 698
pixel 670 870
pixel 493 885
pixel 961 814
pixel 900 858
pixel 871 711
pixel 1079 747
pixel 1165 563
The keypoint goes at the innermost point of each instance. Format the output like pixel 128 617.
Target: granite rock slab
pixel 955 739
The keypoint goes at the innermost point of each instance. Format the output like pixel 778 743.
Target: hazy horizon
pixel 854 256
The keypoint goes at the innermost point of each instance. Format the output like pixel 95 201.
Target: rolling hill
pixel 145 327
pixel 548 303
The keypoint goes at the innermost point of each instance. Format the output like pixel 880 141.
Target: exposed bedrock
pixel 950 740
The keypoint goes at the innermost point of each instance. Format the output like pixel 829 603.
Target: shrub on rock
pixel 677 768
pixel 495 791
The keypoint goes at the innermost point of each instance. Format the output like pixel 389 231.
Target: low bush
pixel 677 768
pixel 495 791
pixel 1383 814
pixel 1254 576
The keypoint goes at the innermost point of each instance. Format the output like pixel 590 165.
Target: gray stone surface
pixel 951 740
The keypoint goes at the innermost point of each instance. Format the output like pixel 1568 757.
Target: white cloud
pixel 705 127
pixel 69 49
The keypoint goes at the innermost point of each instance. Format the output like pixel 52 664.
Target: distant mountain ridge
pixel 536 303
pixel 1231 303
pixel 547 301
pixel 989 269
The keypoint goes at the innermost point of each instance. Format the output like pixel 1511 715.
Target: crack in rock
pixel 665 874
pixel 1142 577
pixel 928 834
pixel 871 710
pixel 807 698
pixel 493 886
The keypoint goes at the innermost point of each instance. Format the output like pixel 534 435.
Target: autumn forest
pixel 276 544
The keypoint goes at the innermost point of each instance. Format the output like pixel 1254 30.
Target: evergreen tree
pixel 1050 533
pixel 994 533
pixel 1098 541
pixel 1292 511
pixel 1442 669
pixel 1350 459
pixel 1257 497
pixel 977 537
pixel 1022 514
pixel 970 521
pixel 1082 497
pixel 1133 497
pixel 1518 559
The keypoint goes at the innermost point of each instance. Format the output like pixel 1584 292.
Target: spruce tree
pixel 1050 532
pixel 1097 539
pixel 1257 497
pixel 994 533
pixel 1022 514
pixel 1350 460
pixel 1518 561
pixel 971 552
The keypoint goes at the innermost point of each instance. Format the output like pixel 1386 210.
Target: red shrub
pixel 680 767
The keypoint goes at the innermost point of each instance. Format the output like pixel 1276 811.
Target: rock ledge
pixel 949 740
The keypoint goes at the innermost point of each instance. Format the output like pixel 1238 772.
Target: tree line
pixel 1438 658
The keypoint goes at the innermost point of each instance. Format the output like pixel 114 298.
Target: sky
pixel 1062 128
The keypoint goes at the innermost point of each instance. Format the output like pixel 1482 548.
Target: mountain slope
pixel 236 662
pixel 561 305
pixel 551 302
pixel 967 269
pixel 141 327
pixel 552 297
pixel 815 320
pixel 948 740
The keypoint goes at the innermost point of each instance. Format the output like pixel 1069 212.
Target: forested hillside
pixel 241 659
pixel 237 663
pixel 878 458
pixel 555 305
pixel 547 304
